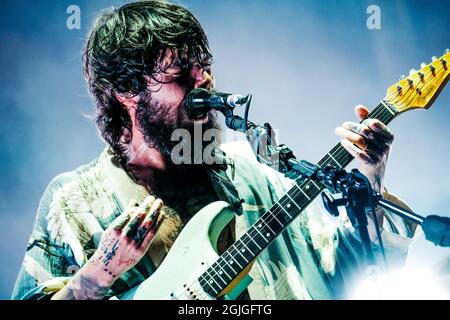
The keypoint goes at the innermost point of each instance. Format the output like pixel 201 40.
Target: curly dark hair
pixel 126 45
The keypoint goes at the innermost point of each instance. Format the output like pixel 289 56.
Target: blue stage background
pixel 307 63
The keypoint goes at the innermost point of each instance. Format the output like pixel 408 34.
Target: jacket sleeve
pixel 47 265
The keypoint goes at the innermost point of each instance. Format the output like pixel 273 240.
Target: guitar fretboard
pixel 241 253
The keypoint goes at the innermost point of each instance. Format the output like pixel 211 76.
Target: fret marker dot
pixel 211 281
pixel 307 186
pixel 243 250
pixel 267 234
pixel 220 272
pixel 231 261
pixel 259 225
pixel 288 205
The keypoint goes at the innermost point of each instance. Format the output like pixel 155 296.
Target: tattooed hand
pixel 369 142
pixel 123 244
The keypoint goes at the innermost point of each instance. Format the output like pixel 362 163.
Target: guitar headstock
pixel 422 87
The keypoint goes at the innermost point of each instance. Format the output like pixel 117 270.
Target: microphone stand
pixel 261 139
pixel 357 194
pixel 280 157
pixel 354 186
pixel 356 190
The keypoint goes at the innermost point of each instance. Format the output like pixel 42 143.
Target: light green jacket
pixel 316 257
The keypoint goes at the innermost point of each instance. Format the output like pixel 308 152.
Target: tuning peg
pixel 434 58
pixel 446 51
pixel 402 77
pixel 412 71
pixel 423 65
pixel 432 69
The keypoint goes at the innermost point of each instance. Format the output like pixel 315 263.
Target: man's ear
pixel 128 101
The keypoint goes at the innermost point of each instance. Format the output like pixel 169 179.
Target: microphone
pixel 199 101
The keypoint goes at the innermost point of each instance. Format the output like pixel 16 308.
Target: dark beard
pixel 179 182
pixel 157 126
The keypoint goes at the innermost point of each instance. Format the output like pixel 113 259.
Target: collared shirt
pixel 315 257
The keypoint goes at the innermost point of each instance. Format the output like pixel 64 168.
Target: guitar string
pixel 383 120
pixel 338 154
pixel 236 247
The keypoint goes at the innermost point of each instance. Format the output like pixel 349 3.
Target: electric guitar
pixel 193 270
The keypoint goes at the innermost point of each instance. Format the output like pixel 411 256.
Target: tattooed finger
pixel 359 128
pixel 356 152
pixel 379 129
pixel 152 232
pixel 147 203
pixel 141 233
pixel 154 211
pixel 130 229
pixel 355 138
pixel 377 147
pixel 121 221
pixel 149 221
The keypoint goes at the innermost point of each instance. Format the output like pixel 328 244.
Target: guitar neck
pixel 239 255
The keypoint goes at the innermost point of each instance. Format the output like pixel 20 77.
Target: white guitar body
pixel 194 250
pixel 191 254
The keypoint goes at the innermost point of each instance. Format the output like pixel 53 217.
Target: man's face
pixel 161 109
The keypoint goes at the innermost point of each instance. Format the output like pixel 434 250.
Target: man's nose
pixel 202 78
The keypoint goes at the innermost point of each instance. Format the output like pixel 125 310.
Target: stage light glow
pixel 404 284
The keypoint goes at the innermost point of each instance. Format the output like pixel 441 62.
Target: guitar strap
pixel 222 184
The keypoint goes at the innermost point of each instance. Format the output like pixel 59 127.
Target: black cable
pixel 247 107
pixel 380 240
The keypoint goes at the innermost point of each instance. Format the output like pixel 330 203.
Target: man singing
pixel 107 226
